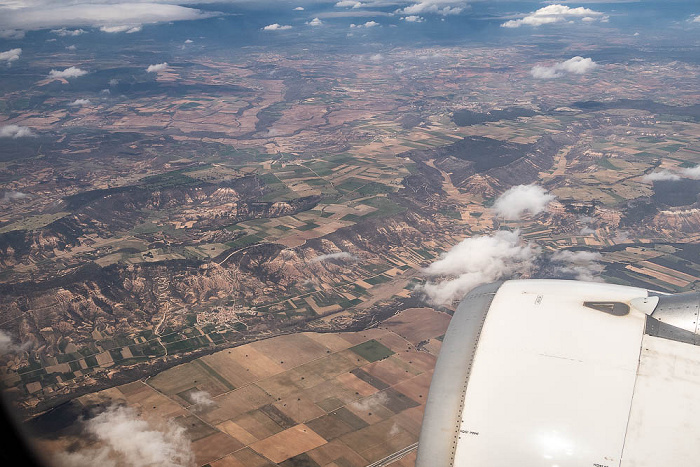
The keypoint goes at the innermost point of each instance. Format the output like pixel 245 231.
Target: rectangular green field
pixel 372 351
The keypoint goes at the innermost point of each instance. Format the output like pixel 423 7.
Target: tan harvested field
pixel 213 447
pixel 236 403
pixel 290 351
pixel 306 399
pixel 418 324
pixel 289 443
pixel 388 370
pixel 185 377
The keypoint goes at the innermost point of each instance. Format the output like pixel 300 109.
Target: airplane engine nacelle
pixel 566 373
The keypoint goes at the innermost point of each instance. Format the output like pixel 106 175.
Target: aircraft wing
pixel 565 373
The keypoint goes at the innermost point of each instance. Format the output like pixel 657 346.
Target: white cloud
pixel 11 34
pixel 661 175
pixel 696 19
pixel 368 24
pixel 581 264
pixel 126 439
pixel 340 256
pixel 7 346
pixel 127 28
pixel 276 27
pixel 315 22
pixel 80 102
pixel 157 67
pixel 413 19
pixel 512 204
pixel 113 82
pixel 376 57
pixel 13 196
pixel 576 65
pixel 621 236
pixel 373 402
pixel 475 261
pixel 299 8
pixel 555 14
pixel 691 172
pixel 349 4
pixel 63 32
pixel 45 14
pixel 15 131
pixel 71 47
pixel 441 7
pixel 72 72
pixel 667 175
pixel 201 400
pixel 10 56
pixel 188 41
pixel 395 430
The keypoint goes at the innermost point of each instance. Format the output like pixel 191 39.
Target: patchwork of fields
pixel 306 399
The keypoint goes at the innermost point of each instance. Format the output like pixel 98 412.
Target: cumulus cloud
pixel 299 8
pixel 45 14
pixel 276 27
pixel 201 400
pixel 10 56
pixel 370 403
pixel 395 430
pixel 583 265
pixel 661 175
pixel 576 65
pixel 413 19
pixel 127 28
pixel 512 204
pixel 11 34
pixel 315 22
pixel 340 256
pixel 556 14
pixel 691 172
pixel 63 32
pixel 71 47
pixel 621 236
pixel 368 24
pixel 72 72
pixel 126 439
pixel 475 261
pixel 15 131
pixel 349 4
pixel 80 102
pixel 7 346
pixel 376 57
pixel 13 196
pixel 440 7
pixel 667 175
pixel 157 67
